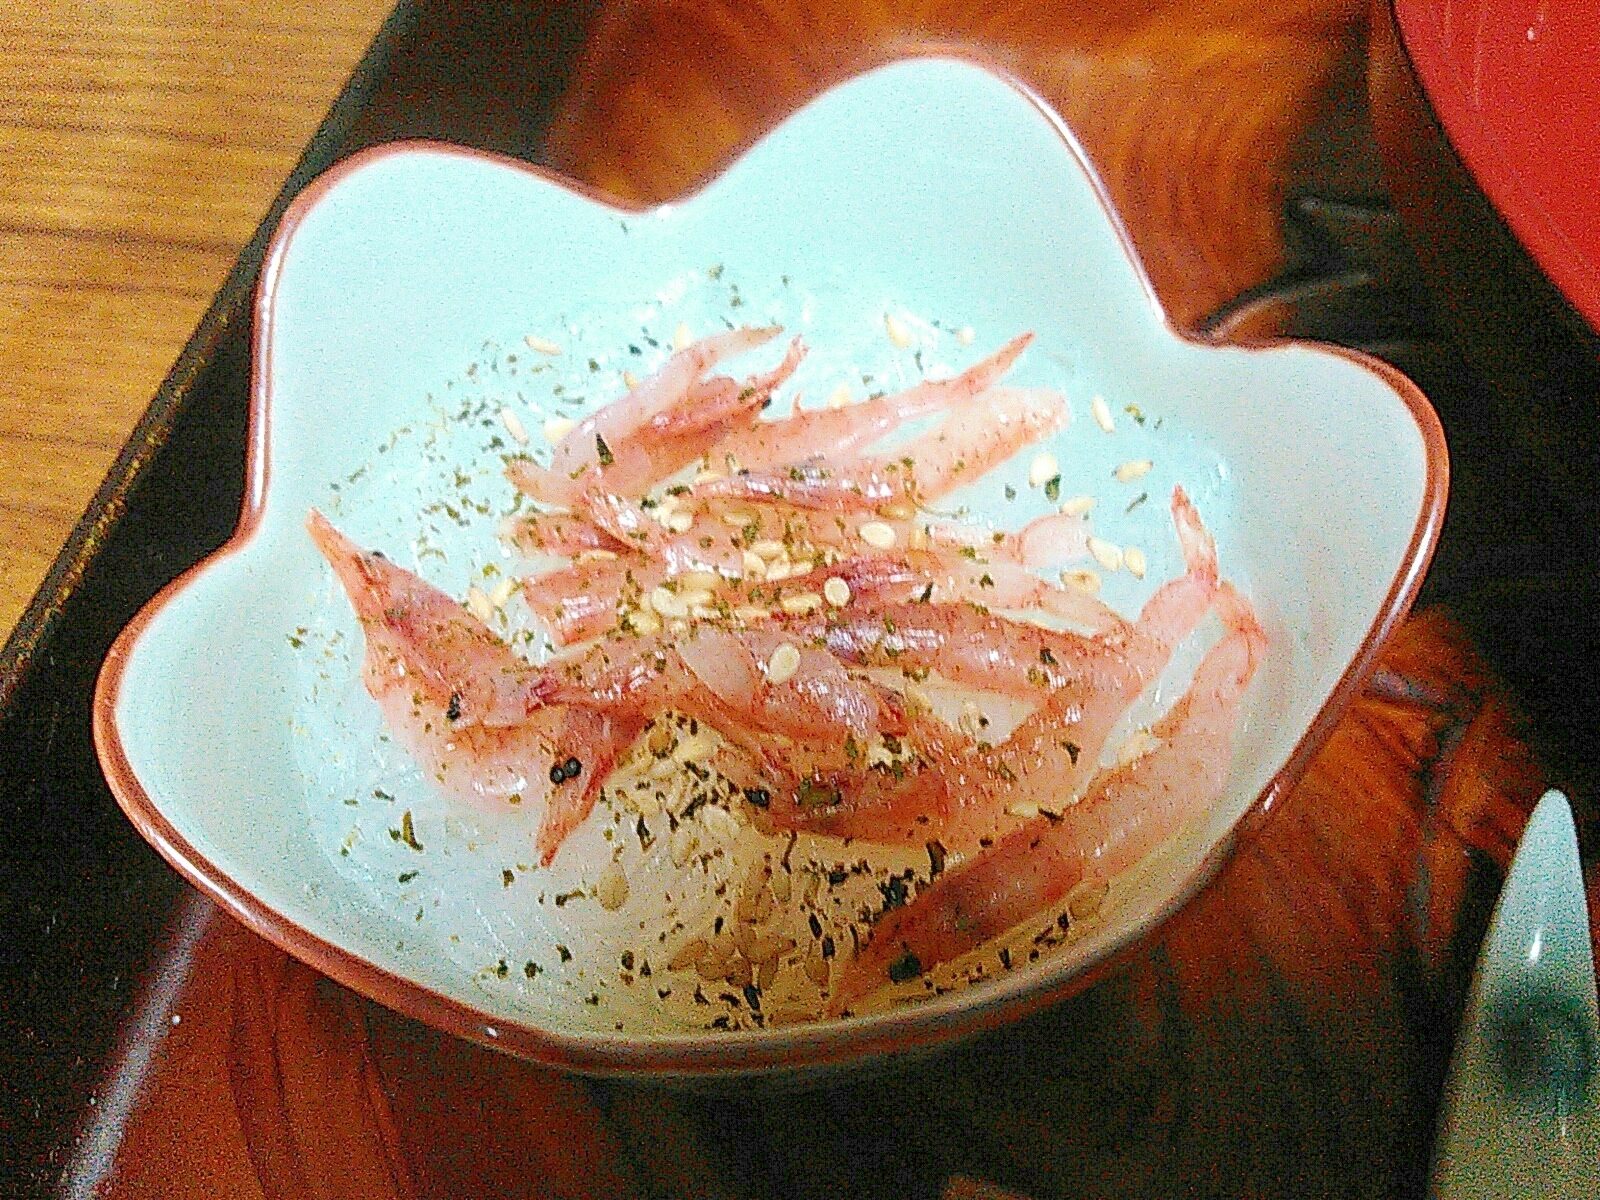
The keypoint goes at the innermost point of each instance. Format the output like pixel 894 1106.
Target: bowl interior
pixel 392 330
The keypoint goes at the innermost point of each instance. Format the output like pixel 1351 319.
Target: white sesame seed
pixel 630 380
pixel 694 747
pixel 682 338
pixel 689 953
pixel 801 603
pixel 1025 809
pixel 1043 470
pixel 767 549
pixel 514 426
pixel 643 622
pixel 1078 505
pixel 541 345
pixel 680 521
pixel 478 603
pixel 878 535
pixel 1136 468
pixel 836 592
pixel 965 336
pixel 971 719
pixel 1140 742
pixel 612 888
pixel 785 661
pixel 1102 414
pixel 737 518
pixel 1107 554
pixel 667 604
pixel 694 597
pixel 753 565
pixel 719 823
pixel 751 612
pixel 556 428
pixel 501 592
pixel 1085 899
pixel 898 333
pixel 707 475
pixel 684 844
pixel 594 555
pixel 706 581
pixel 1133 559
pixel 839 397
pixel 1086 582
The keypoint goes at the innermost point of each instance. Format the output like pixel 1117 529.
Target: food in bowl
pixel 775 621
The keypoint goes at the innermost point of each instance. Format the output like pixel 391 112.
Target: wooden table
pixel 1285 1035
pixel 140 145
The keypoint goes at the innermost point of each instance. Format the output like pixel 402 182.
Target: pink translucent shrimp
pixel 974 437
pixel 477 712
pixel 443 652
pixel 942 575
pixel 841 434
pixel 721 678
pixel 660 426
pixel 1050 540
pixel 464 705
pixel 1128 812
pixel 584 599
pixel 960 784
pixel 561 533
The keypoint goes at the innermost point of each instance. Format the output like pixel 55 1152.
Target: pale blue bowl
pixel 229 718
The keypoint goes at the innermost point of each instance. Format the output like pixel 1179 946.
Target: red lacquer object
pixel 1516 86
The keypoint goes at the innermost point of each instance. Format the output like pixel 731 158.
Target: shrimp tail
pixel 661 424
pixel 976 435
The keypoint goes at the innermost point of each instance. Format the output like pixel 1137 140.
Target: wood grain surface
pixel 141 142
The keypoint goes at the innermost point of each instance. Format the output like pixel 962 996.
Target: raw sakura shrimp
pixel 660 426
pixel 781 582
pixel 464 704
pixel 1129 811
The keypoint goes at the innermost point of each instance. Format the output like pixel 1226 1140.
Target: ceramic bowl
pixel 416 291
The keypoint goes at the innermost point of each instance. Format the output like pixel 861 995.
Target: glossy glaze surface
pixel 1516 86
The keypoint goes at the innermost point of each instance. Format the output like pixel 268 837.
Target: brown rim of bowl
pixel 817 1046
